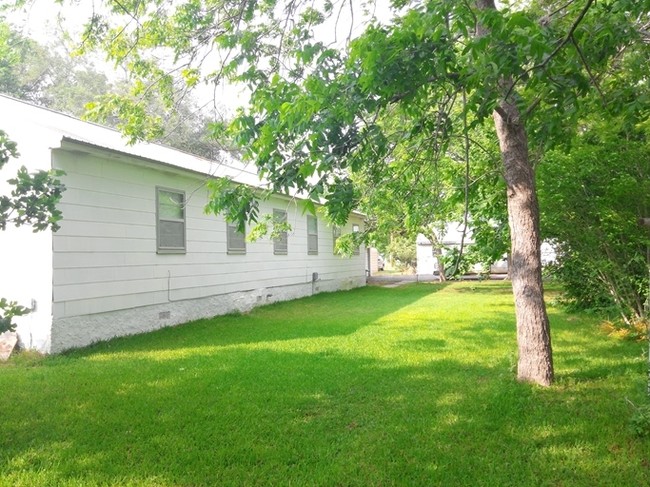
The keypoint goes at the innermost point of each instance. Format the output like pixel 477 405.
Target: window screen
pixel 280 243
pixel 236 240
pixel 336 233
pixel 312 235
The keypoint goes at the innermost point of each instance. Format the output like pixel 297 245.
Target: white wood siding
pixel 105 253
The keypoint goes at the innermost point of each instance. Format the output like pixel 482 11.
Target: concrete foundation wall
pixel 80 331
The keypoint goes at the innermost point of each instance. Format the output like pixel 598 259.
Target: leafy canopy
pixel 319 114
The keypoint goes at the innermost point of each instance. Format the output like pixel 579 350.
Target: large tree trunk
pixel 535 362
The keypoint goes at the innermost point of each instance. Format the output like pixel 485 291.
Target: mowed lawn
pixel 408 386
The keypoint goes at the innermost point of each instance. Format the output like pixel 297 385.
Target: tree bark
pixel 535 363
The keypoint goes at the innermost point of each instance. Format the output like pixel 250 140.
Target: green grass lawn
pixel 406 386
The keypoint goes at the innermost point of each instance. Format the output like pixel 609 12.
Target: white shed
pixel 450 238
pixel 136 251
pixel 428 264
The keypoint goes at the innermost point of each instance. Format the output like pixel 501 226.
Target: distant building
pixel 427 263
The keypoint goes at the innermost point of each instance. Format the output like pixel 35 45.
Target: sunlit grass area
pixel 405 386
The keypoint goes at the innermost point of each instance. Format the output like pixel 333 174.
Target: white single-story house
pixel 136 251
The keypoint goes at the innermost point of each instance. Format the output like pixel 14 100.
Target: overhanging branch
pixel 555 51
pixel 594 81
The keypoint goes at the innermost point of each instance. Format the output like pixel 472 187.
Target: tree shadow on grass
pixel 485 287
pixel 583 353
pixel 323 315
pixel 235 402
pixel 320 412
pixel 294 418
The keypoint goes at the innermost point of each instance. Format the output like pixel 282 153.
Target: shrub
pixel 636 330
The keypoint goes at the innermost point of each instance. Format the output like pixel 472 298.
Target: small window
pixel 312 235
pixel 236 240
pixel 336 233
pixel 356 229
pixel 170 221
pixel 280 244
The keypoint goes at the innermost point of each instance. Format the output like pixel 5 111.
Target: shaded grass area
pixel 406 386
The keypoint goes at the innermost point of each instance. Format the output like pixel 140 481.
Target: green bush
pixel 402 251
pixel 591 198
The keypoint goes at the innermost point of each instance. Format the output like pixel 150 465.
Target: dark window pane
pixel 280 244
pixel 236 240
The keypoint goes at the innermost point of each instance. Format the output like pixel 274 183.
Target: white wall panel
pixel 105 254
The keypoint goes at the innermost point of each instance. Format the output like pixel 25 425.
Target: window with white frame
pixel 235 240
pixel 281 242
pixel 170 221
pixel 312 235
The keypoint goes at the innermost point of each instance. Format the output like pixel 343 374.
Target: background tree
pixel 594 186
pixel 71 84
pixel 39 74
pixel 315 112
pixel 415 191
pixel 401 252
pixel 593 216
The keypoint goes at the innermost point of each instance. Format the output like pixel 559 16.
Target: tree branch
pixel 594 81
pixel 555 51
pixel 559 9
pixel 400 96
pixel 532 107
